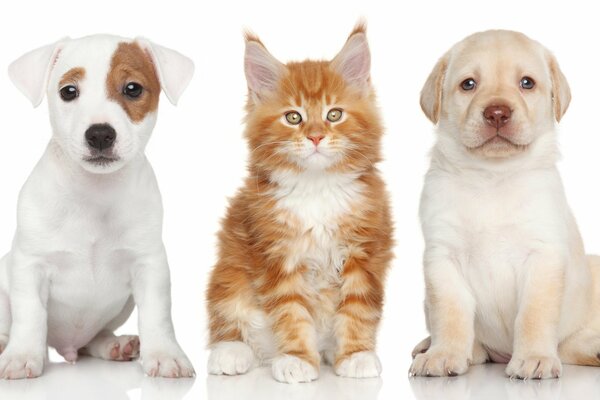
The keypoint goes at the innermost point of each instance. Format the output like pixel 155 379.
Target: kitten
pixel 306 243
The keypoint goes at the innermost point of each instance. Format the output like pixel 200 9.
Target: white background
pixel 199 156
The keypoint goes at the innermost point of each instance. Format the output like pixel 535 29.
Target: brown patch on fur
pixel 132 64
pixel 258 238
pixel 72 76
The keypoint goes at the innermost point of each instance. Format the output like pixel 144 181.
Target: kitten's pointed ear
pixel 431 94
pixel 353 62
pixel 174 70
pixel 30 72
pixel 263 71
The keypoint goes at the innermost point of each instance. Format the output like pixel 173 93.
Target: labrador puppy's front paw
pixel 534 367
pixel 167 364
pixel 291 369
pixel 363 364
pixel 21 364
pixel 439 363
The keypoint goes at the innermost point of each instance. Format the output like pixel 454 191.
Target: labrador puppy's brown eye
pixel 69 93
pixel 468 84
pixel 527 83
pixel 293 118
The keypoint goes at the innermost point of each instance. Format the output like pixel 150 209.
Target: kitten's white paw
pixel 364 364
pixel 230 358
pixel 291 369
pixel 167 364
pixel 21 364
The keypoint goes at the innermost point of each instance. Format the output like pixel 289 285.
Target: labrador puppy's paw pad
pixel 439 363
pixel 167 365
pixel 422 347
pixel 129 347
pixel 363 364
pixel 21 365
pixel 291 369
pixel 230 358
pixel 3 342
pixel 534 367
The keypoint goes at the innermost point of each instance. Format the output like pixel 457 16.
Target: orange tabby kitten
pixel 306 243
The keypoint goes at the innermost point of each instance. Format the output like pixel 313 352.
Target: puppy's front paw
pixel 230 358
pixel 363 364
pixel 19 365
pixel 534 367
pixel 291 369
pixel 167 364
pixel 439 363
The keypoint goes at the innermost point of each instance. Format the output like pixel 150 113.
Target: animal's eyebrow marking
pixel 72 76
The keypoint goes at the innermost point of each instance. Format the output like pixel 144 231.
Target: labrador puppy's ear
pixel 174 70
pixel 30 72
pixel 431 94
pixel 561 93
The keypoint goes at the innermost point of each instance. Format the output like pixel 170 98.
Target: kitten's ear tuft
pixel 353 62
pixel 263 71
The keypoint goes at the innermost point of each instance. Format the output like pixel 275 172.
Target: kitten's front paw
pixel 230 358
pixel 21 364
pixel 167 364
pixel 534 367
pixel 439 363
pixel 363 364
pixel 291 369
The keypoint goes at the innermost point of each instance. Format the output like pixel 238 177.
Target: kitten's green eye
pixel 293 117
pixel 334 115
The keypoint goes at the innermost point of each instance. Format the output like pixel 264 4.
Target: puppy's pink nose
pixel 316 138
pixel 497 115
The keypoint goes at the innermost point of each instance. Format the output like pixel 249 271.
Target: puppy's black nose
pixel 100 136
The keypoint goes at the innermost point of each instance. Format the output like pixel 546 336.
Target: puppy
pixel 506 275
pixel 88 244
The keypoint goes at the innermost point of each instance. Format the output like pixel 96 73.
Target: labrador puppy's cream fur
pixel 507 279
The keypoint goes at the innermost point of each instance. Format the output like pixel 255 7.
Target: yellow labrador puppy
pixel 507 279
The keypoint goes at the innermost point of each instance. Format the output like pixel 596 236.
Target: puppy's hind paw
pixel 230 358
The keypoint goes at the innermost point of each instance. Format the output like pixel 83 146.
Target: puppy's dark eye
pixel 468 84
pixel 133 90
pixel 527 83
pixel 69 93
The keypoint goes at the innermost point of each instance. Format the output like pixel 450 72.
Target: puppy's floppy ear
pixel 431 94
pixel 174 70
pixel 30 72
pixel 561 93
pixel 353 62
pixel 263 71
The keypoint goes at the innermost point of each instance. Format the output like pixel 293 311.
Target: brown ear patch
pixel 132 64
pixel 72 76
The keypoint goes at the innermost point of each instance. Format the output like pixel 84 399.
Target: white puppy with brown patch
pixel 88 245
pixel 506 275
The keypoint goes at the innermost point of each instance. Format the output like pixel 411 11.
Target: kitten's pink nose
pixel 316 138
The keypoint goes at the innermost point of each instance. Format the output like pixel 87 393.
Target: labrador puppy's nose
pixel 100 136
pixel 497 115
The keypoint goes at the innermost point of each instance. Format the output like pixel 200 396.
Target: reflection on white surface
pixel 489 382
pixel 93 379
pixel 259 384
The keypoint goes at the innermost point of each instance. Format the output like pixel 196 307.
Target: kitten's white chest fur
pixel 317 200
